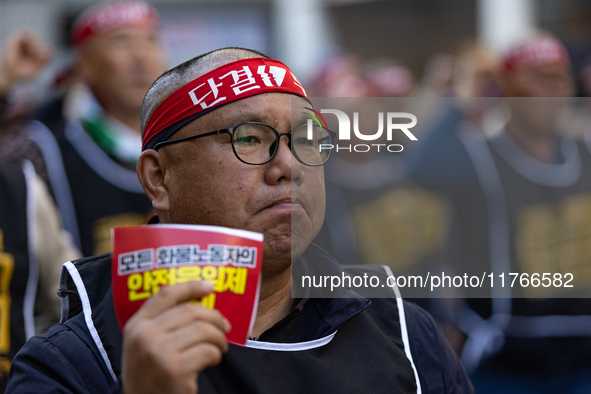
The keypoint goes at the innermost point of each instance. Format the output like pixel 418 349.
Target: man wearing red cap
pixel 538 67
pixel 221 148
pixel 33 245
pixel 521 200
pixel 94 143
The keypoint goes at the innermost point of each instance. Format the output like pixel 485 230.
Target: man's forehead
pixel 270 108
pixel 121 33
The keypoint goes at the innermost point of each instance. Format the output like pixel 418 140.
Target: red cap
pixel 112 15
pixel 537 51
pixel 391 81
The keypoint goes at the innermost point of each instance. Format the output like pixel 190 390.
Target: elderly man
pixel 90 137
pixel 219 149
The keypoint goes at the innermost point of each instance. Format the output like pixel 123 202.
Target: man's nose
pixel 284 149
pixel 284 164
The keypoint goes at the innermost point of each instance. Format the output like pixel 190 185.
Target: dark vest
pixel 103 193
pixel 355 347
pixel 16 293
pixel 530 218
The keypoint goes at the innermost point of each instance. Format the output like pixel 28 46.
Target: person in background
pixel 520 197
pixel 33 244
pixel 24 56
pixel 338 75
pixel 90 137
pixel 437 78
pixel 389 79
pixel 474 73
pixel 375 214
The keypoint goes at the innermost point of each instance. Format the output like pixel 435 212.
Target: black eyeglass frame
pixel 231 130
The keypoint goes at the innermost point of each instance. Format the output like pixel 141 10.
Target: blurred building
pixel 302 32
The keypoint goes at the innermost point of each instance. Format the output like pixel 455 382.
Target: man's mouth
pixel 286 204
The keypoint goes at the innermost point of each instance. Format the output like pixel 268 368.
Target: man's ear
pixel 150 171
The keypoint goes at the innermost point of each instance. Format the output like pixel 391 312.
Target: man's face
pixel 545 88
pixel 539 81
pixel 207 184
pixel 120 66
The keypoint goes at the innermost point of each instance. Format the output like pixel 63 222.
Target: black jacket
pixel 324 345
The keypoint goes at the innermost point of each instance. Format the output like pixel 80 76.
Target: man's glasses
pixel 257 143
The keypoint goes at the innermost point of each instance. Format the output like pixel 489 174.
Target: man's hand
pixel 24 56
pixel 170 340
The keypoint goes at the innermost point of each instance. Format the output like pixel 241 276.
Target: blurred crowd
pixel 498 181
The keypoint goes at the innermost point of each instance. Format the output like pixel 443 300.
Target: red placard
pixel 145 258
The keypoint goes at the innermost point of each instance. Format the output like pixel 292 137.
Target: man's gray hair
pixel 177 77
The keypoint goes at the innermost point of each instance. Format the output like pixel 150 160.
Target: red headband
pixel 225 84
pixel 537 51
pixel 113 15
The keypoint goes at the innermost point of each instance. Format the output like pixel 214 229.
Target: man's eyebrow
pixel 246 118
pixel 298 119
